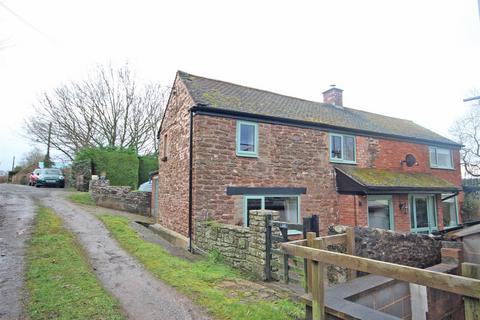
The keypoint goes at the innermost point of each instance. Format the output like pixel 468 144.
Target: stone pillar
pixel 256 256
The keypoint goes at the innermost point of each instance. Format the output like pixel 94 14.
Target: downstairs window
pixel 287 206
pixel 450 211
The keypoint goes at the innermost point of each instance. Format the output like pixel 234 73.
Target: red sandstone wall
pixel 294 157
pixel 288 157
pixel 173 173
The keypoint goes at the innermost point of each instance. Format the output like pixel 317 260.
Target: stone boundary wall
pixel 120 197
pixel 244 248
pixel 241 247
pixel 409 249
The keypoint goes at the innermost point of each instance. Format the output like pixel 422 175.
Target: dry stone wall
pixel 241 247
pixel 120 198
pixel 409 249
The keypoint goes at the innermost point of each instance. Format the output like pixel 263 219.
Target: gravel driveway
pixel 141 295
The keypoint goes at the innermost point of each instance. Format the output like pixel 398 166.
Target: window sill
pixel 343 162
pixel 247 155
pixel 442 168
pixel 294 232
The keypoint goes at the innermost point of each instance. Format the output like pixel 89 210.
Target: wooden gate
pixel 277 232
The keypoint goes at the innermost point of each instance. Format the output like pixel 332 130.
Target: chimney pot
pixel 333 96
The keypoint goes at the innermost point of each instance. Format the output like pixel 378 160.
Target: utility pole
pixel 47 162
pixel 13 163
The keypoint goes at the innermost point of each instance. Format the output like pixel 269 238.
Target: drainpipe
pixel 190 184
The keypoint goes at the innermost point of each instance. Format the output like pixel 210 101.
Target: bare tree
pixel 107 109
pixel 466 131
pixel 34 156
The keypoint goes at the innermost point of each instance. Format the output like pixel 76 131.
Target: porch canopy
pixel 353 180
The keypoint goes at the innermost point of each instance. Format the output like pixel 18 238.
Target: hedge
pixel 120 165
pixel 146 165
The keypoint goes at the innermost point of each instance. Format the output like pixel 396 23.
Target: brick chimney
pixel 333 96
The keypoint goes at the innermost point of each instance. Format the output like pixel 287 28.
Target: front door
pixel 423 213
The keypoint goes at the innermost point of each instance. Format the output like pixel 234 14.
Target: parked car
pixel 50 177
pixel 146 186
pixel 32 180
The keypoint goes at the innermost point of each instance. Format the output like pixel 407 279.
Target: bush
pixel 119 165
pixel 470 208
pixel 146 164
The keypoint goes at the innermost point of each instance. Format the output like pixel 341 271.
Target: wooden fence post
pixel 306 229
pixel 351 274
pixel 284 231
pixel 310 243
pixel 315 226
pixel 472 305
pixel 318 290
pixel 268 247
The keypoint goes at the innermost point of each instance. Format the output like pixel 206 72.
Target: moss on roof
pixel 385 178
pixel 233 97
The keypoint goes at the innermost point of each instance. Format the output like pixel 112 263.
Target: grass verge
pixel 60 281
pixel 200 280
pixel 82 198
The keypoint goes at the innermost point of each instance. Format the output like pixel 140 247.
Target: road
pixel 140 294
pixel 17 211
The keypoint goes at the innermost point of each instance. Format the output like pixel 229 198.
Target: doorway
pixel 423 213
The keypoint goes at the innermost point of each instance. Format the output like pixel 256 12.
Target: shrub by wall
pixel 471 208
pixel 146 164
pixel 81 170
pixel 119 165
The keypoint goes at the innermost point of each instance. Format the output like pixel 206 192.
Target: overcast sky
pixel 409 59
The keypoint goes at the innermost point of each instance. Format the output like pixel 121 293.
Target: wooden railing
pixel 314 249
pixel 310 224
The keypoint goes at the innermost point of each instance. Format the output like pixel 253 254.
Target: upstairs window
pixel 441 158
pixel 247 139
pixel 342 148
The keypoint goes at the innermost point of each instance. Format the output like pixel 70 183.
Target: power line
pixel 23 20
pixel 472 98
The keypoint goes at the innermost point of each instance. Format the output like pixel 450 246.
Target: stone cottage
pixel 226 149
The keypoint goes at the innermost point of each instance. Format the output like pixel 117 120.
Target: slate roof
pixel 379 179
pixel 232 97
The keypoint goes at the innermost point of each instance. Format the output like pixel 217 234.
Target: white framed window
pixel 342 148
pixel 380 212
pixel 450 210
pixel 423 213
pixel 287 206
pixel 247 139
pixel 441 158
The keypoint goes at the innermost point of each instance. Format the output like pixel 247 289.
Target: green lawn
pixel 60 281
pixel 82 198
pixel 203 281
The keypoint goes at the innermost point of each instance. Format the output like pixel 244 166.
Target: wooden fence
pixel 310 224
pixel 314 249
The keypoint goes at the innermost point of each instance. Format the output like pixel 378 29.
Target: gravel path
pixel 17 211
pixel 141 295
